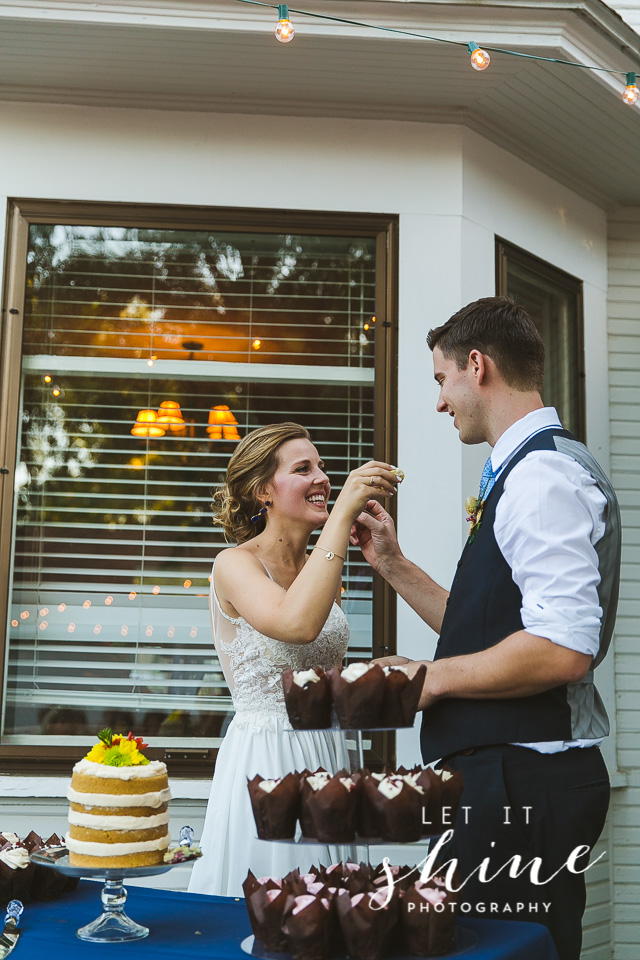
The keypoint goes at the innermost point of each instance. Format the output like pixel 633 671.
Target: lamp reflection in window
pixel 222 424
pixel 146 425
pixel 170 415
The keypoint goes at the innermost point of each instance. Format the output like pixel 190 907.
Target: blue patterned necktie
pixel 487 480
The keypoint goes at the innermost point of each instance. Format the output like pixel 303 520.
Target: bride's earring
pixel 261 513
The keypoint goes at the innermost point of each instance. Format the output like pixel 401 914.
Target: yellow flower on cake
pixel 118 750
pixel 129 749
pixel 97 752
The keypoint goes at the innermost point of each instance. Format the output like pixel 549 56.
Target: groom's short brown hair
pixel 504 331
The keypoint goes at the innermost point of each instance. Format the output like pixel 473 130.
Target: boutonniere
pixel 474 507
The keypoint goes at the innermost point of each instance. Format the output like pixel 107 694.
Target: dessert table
pixel 194 925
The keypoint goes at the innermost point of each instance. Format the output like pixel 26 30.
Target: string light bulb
pixel 284 28
pixel 480 59
pixel 631 91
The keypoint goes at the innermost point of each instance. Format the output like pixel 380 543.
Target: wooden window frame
pixel 21 213
pixel 506 252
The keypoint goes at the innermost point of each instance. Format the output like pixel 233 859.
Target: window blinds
pixel 114 538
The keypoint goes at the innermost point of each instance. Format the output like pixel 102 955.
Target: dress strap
pixel 214 597
pixel 266 568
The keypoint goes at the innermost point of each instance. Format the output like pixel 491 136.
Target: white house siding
pixel 629 10
pixel 624 373
pixel 453 192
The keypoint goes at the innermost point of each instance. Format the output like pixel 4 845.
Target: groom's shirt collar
pixel 519 432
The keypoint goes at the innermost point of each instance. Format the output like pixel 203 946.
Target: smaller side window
pixel 553 299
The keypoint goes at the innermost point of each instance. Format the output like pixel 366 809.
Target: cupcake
pixel 309 782
pixel 266 899
pixel 310 927
pixel 395 804
pixel 401 696
pixel 368 922
pixel 329 805
pixel 275 806
pixel 16 870
pixel 307 697
pixel 427 919
pixel 430 783
pixel 357 692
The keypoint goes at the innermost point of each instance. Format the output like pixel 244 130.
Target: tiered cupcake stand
pixel 464 939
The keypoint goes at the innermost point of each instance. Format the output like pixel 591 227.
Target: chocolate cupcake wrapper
pixel 357 703
pixel 275 813
pixel 333 810
pixel 401 696
pixel 309 707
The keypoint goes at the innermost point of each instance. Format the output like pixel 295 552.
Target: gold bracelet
pixel 329 555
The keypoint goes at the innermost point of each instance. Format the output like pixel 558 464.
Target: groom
pixel 509 698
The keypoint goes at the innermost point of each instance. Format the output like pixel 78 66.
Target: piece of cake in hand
pixel 401 696
pixel 119 806
pixel 275 805
pixel 357 695
pixel 307 697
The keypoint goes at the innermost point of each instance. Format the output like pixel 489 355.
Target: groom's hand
pixel 427 697
pixel 375 533
pixel 394 661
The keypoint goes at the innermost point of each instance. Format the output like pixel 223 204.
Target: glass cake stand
pixel 113 925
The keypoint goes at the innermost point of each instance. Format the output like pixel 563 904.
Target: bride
pixel 274 605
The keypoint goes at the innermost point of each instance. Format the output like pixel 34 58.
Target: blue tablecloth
pixel 193 925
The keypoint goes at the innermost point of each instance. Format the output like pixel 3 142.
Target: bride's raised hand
pixel 372 479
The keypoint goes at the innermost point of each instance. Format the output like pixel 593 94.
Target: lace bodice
pixel 252 663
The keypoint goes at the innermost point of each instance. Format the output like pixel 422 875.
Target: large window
pixel 553 298
pixel 147 352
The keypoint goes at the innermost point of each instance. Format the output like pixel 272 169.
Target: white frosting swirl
pixel 269 785
pixel 318 780
pixel 16 858
pixel 390 788
pixel 354 671
pixel 155 768
pixel 302 677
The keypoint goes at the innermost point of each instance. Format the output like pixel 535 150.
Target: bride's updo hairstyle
pixel 250 468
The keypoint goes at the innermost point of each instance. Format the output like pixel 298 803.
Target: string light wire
pixel 423 36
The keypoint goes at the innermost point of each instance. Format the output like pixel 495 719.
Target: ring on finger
pixel 372 481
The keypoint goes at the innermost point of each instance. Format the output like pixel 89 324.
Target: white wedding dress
pixel 258 741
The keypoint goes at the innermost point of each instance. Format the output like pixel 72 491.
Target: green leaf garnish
pixel 106 736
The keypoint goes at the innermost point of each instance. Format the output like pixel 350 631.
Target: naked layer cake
pixel 118 806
